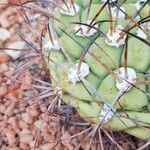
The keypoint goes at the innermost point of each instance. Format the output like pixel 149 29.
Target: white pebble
pixel 4 34
pixel 16 45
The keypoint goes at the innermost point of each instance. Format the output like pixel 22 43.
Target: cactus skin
pixel 96 67
pixel 106 25
pixel 136 50
pixel 142 133
pixel 94 9
pixel 134 104
pixel 130 101
pixel 69 45
pixel 145 11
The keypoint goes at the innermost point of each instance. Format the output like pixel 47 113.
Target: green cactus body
pixel 123 121
pixel 133 100
pixel 106 25
pixel 65 23
pixel 130 9
pixel 79 91
pixel 102 50
pixel 142 133
pixel 148 86
pixel 93 11
pixel 145 11
pixel 86 3
pixel 70 45
pixel 128 1
pixel 136 49
pixel 91 69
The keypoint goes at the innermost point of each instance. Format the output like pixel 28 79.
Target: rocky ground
pixel 25 122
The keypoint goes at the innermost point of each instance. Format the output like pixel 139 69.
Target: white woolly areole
pixel 124 83
pixel 112 39
pixel 117 12
pixel 139 3
pixel 70 10
pixel 55 45
pixel 73 74
pixel 141 33
pixel 82 30
pixel 137 18
pixel 106 114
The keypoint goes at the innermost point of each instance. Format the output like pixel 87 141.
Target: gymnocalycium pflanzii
pixel 98 54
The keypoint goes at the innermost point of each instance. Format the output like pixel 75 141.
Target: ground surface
pixel 25 123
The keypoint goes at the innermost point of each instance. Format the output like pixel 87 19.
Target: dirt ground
pixel 25 120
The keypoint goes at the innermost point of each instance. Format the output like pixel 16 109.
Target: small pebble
pixel 4 58
pixel 22 124
pixel 3 67
pixel 48 146
pixel 3 89
pixel 38 124
pixel 4 34
pixel 26 138
pixel 24 146
pixel 14 53
pixel 10 134
pixel 28 119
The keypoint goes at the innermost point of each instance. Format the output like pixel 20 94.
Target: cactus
pixel 101 63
